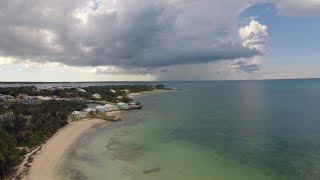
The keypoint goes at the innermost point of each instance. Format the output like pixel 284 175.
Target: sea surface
pixel 234 130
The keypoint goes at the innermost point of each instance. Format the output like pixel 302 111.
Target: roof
pixel 121 104
pixel 109 105
pixel 81 90
pixel 89 109
pixel 100 107
pixel 96 95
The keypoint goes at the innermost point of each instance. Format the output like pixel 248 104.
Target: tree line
pixel 105 91
pixel 29 126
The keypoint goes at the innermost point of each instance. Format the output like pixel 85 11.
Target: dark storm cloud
pixel 134 33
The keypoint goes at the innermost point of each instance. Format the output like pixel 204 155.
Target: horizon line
pixel 41 82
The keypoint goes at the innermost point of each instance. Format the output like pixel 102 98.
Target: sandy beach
pixel 48 158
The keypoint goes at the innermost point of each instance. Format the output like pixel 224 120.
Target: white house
pixel 6 97
pixel 106 108
pixel 88 110
pixel 113 91
pixel 44 98
pixel 126 90
pixel 122 105
pixel 96 96
pixel 79 114
pixel 82 90
pixel 101 108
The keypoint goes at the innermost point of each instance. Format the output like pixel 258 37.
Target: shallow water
pixel 209 130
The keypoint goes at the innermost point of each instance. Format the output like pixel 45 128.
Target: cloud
pixel 298 7
pixel 127 33
pixel 219 70
pixel 254 35
pixel 248 65
pixel 250 68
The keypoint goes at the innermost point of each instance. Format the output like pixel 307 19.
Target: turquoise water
pixel 209 130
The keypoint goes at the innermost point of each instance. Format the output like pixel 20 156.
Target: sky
pixel 143 40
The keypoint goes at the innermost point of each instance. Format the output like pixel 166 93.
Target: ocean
pixel 243 130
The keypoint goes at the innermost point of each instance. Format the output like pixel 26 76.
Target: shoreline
pixel 41 163
pixel 134 95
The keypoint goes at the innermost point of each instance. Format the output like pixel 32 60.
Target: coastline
pixel 48 156
pixel 133 95
pixel 43 161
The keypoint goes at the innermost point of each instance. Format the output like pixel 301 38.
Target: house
pixel 111 107
pixel 88 110
pixel 82 90
pixel 6 97
pixel 44 98
pixel 22 96
pixel 79 114
pixel 29 99
pixel 96 96
pixel 113 91
pixel 125 90
pixel 106 108
pixel 122 105
pixel 101 108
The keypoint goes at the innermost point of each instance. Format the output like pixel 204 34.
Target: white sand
pixel 133 95
pixel 45 164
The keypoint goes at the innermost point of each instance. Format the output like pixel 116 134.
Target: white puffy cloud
pixel 254 35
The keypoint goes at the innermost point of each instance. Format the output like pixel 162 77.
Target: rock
pixel 153 170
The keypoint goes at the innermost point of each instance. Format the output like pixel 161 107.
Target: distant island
pixel 29 116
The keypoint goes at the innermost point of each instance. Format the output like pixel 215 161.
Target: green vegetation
pixel 29 126
pixel 98 115
pixel 102 115
pixel 15 91
pixel 105 92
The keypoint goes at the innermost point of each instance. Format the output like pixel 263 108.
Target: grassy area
pixel 99 115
